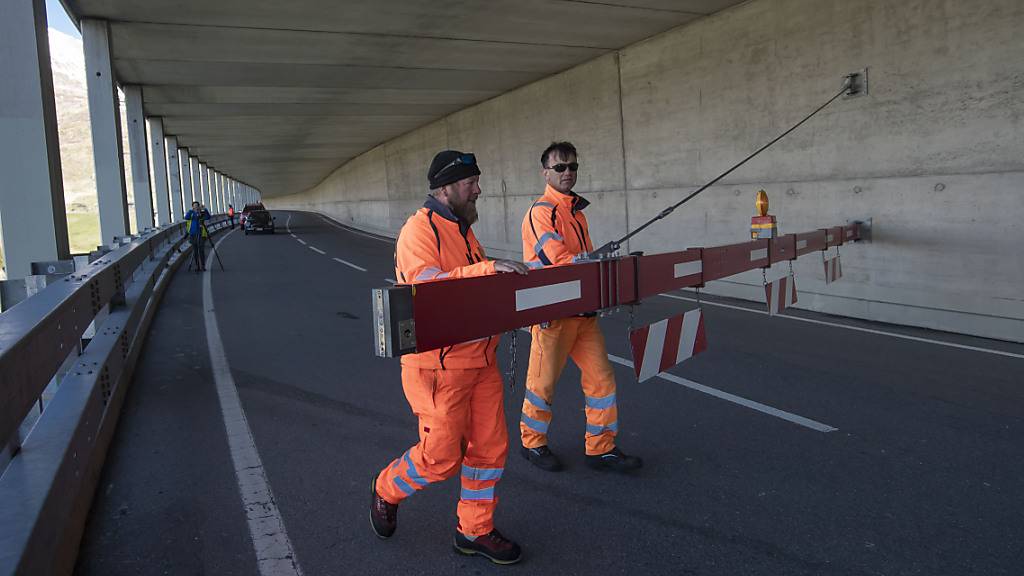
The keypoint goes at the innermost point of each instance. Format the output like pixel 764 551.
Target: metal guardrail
pixel 47 488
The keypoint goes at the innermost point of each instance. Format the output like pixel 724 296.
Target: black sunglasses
pixel 463 159
pixel 572 166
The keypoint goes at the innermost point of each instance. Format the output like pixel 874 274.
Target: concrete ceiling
pixel 280 93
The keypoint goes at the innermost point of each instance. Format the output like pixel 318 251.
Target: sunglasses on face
pixel 571 166
pixel 464 159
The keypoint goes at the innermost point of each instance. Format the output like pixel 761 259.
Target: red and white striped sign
pixel 781 294
pixel 660 346
pixel 833 269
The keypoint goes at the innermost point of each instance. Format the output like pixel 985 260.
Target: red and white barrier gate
pixel 660 346
pixel 422 317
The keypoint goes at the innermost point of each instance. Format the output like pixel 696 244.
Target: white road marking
pixel 855 328
pixel 288 223
pixel 763 408
pixel 317 250
pixel 360 268
pixel 293 235
pixel 392 280
pixel 274 553
pixel 355 231
pixel 301 241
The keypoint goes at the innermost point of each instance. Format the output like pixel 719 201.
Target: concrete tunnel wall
pixel 935 153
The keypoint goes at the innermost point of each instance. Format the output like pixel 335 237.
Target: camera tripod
pixel 198 253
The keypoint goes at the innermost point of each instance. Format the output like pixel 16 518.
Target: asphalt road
pixel 921 476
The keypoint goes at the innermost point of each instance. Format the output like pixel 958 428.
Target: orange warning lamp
pixel 763 225
pixel 762 203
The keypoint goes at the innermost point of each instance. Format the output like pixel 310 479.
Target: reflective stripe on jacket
pixel 555 229
pixel 433 245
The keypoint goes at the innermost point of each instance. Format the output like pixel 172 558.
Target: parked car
pixel 258 221
pixel 245 212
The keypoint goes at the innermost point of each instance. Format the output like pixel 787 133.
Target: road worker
pixel 555 232
pixel 456 392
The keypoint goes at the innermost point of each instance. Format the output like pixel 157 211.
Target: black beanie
pixel 453 173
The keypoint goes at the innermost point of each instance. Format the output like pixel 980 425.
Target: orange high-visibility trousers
pixel 462 429
pixel 582 340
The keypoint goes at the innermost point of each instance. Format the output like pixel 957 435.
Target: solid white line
pixel 274 553
pixel 317 250
pixel 788 416
pixel 301 241
pixel 763 408
pixel 855 328
pixel 355 231
pixel 360 268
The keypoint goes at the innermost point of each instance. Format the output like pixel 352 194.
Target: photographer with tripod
pixel 196 218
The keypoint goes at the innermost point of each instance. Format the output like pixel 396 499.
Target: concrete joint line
pixel 274 553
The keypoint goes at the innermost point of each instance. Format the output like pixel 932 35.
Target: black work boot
pixel 383 514
pixel 492 545
pixel 615 460
pixel 542 457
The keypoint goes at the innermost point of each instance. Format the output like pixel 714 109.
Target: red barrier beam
pixel 490 305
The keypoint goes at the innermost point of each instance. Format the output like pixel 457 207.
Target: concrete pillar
pixel 223 193
pixel 105 121
pixel 204 185
pixel 195 194
pixel 215 191
pixel 218 192
pixel 174 176
pixel 139 152
pixel 186 180
pixel 33 226
pixel 163 203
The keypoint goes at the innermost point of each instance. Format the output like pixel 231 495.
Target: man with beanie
pixel 555 231
pixel 455 392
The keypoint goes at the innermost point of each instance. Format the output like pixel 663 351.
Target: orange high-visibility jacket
pixel 555 229
pixel 434 245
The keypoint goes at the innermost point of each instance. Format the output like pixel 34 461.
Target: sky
pixel 57 17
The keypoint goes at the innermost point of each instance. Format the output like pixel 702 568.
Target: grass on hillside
pixel 83 233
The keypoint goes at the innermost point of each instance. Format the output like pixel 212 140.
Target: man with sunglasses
pixel 555 231
pixel 457 391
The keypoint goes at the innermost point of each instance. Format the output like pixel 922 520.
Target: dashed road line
pixel 346 263
pixel 763 408
pixel 301 241
pixel 317 250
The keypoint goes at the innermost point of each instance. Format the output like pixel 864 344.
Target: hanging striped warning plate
pixel 833 269
pixel 660 346
pixel 781 294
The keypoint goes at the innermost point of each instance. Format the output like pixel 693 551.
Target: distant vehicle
pixel 245 212
pixel 258 221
